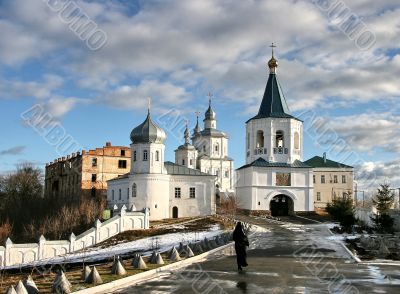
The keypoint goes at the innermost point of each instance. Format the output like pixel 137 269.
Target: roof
pixel 186 147
pixel 124 176
pixel 210 113
pixel 273 103
pixel 148 132
pixel 205 156
pixel 318 161
pixel 176 169
pixel 212 133
pixel 261 162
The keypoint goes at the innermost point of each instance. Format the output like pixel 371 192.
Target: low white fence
pixel 19 254
pixel 365 214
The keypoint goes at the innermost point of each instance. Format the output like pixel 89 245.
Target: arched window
pixel 134 155
pixel 279 139
pixel 296 140
pixel 134 190
pixel 119 194
pixel 216 148
pixel 145 155
pixel 260 139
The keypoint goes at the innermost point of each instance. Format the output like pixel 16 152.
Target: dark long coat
pixel 241 242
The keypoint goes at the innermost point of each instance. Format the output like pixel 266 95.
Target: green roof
pixel 318 161
pixel 176 169
pixel 273 103
pixel 260 162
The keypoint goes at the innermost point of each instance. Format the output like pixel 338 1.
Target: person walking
pixel 241 241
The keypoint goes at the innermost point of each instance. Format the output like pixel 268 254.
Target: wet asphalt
pixel 282 258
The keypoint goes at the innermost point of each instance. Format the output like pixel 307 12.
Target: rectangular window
pixel 318 196
pixel 134 155
pixel 112 193
pixel 313 178
pixel 94 178
pixel 192 192
pixel 283 179
pixel 94 162
pixel 121 163
pixel 227 174
pixel 127 193
pixel 343 179
pixel 122 152
pixel 335 179
pixel 322 179
pixel 183 162
pixel 191 162
pixel 344 195
pixel 119 194
pixel 145 155
pixel 177 192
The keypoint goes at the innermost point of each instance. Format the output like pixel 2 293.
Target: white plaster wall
pixel 151 165
pixel 22 253
pixel 256 187
pixel 203 204
pixel 210 166
pixel 269 126
pixel 186 155
pixel 54 248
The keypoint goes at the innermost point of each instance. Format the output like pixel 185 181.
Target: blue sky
pixel 177 51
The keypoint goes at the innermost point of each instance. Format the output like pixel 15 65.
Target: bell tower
pixel 274 134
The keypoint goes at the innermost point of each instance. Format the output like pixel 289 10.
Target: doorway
pixel 175 212
pixel 281 205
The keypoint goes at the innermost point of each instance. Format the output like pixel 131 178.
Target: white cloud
pixel 366 132
pixel 163 95
pixel 15 89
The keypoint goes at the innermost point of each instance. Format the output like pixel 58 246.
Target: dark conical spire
pixel 273 103
pixel 197 128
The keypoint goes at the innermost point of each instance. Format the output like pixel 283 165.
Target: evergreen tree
pixel 383 201
pixel 342 210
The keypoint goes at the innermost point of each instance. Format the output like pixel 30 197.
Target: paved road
pixel 283 258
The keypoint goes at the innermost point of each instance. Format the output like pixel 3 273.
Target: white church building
pixel 274 179
pixel 185 188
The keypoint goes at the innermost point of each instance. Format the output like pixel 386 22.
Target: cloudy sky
pixel 177 51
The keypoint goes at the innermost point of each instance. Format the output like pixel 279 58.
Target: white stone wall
pixel 188 156
pixel 270 126
pixel 157 192
pixel 211 166
pixel 216 159
pixel 151 165
pixel 202 204
pixel 19 254
pixel 256 187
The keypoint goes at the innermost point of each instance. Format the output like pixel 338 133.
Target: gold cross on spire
pixel 272 48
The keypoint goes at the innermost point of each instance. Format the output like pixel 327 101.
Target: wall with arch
pixel 20 254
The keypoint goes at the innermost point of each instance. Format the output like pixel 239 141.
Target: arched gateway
pixel 281 205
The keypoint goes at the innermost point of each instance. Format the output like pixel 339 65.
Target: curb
pixel 147 275
pixel 358 260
